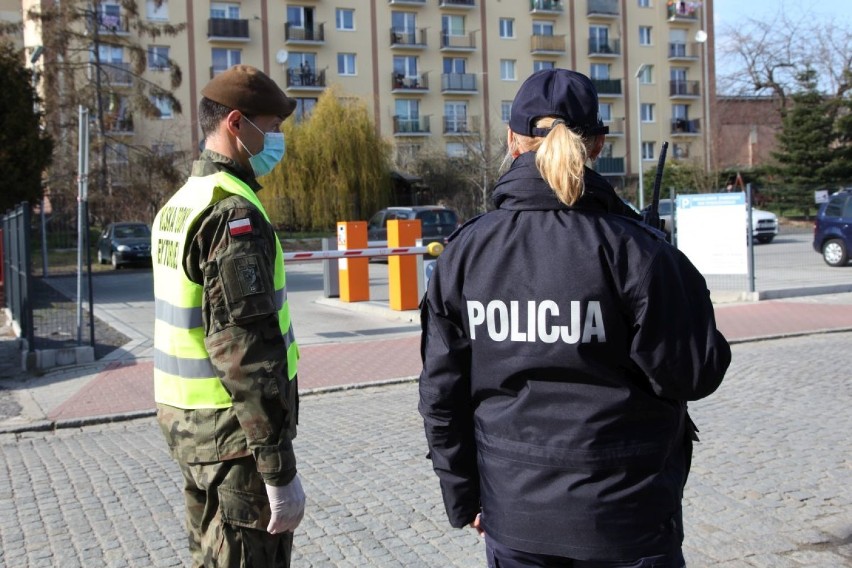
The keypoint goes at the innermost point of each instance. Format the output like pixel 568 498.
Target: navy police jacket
pixel 560 345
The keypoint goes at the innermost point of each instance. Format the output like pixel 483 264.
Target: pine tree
pixel 25 150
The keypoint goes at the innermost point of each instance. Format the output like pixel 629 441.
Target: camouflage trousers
pixel 227 512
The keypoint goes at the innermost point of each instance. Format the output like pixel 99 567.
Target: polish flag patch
pixel 239 227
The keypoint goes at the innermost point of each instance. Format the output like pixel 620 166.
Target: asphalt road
pixel 771 484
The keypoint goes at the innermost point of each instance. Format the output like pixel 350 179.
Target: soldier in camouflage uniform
pixel 225 355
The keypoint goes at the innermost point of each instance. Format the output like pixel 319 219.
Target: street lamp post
pixel 641 195
pixel 702 37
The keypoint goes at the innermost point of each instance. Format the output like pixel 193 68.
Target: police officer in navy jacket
pixel 562 339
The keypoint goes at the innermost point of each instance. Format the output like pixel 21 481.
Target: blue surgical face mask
pixel 271 153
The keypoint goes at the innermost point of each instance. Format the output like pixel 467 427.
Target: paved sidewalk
pixel 120 387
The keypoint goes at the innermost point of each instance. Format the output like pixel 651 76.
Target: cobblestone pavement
pixel 771 483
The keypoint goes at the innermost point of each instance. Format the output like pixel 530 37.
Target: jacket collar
pixel 210 162
pixel 522 188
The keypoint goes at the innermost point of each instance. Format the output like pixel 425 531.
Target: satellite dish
pixel 700 36
pixel 281 56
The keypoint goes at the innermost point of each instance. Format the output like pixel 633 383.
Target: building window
pixel 158 57
pixel 345 19
pixel 539 65
pixel 644 35
pixel 404 67
pixel 455 65
pixel 647 75
pixel 346 64
pixel 164 106
pixel 605 110
pixel 606 150
pixel 304 107
pixel 647 112
pixel 452 25
pixel 403 22
pixel 542 28
pixel 456 150
pixel 644 3
pixel 507 70
pixel 505 111
pixel 224 10
pixel 507 28
pixel 154 12
pixel 599 71
pixel 599 39
pixel 648 150
pixel 224 59
pixel 455 117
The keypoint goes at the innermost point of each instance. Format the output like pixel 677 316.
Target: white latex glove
pixel 288 506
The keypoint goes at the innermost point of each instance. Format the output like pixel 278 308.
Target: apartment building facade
pixel 438 73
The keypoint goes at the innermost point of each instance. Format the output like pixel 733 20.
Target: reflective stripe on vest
pixel 184 376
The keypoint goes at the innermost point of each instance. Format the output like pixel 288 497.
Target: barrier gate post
pixel 354 273
pixel 402 270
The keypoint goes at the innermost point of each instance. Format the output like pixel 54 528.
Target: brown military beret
pixel 250 91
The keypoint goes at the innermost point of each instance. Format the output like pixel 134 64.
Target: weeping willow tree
pixel 337 168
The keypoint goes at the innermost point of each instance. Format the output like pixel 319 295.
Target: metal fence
pixel 17 283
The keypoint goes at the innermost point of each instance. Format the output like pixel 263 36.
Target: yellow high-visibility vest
pixel 184 376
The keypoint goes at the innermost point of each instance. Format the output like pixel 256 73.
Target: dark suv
pixel 833 228
pixel 436 222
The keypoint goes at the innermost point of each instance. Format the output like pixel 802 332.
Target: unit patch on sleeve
pixel 249 275
pixel 239 226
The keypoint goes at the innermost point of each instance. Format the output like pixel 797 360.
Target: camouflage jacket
pixel 244 343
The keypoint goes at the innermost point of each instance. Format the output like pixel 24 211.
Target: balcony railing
pixel 683 51
pixel 604 48
pixel 609 165
pixel 547 44
pixel 545 6
pixel 616 126
pixel 408 38
pixel 463 82
pixel 299 79
pixel 684 89
pixel 686 126
pixel 110 24
pixel 116 73
pixel 402 82
pixel 118 123
pixel 295 34
pixel 456 3
pixel 604 8
pixel 460 42
pixel 607 86
pixel 227 28
pixel 461 124
pixel 682 10
pixel 417 125
pixel 411 2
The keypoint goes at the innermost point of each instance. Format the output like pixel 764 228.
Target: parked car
pixel 436 222
pixel 125 243
pixel 833 228
pixel 764 224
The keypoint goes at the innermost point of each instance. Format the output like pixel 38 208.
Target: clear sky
pixel 726 14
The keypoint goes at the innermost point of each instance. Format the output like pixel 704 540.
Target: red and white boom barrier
pixel 433 249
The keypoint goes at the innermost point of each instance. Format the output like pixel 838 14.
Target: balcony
pixel 407 2
pixel 609 166
pixel 603 9
pixel 682 11
pixel 683 51
pixel 113 24
pixel 298 35
pixel 460 125
pixel 608 87
pixel 119 123
pixel 616 127
pixel 545 6
pixel 684 89
pixel 598 48
pixel 458 83
pixel 405 39
pixel 299 80
pixel 451 42
pixel 464 4
pixel 411 126
pixel 683 126
pixel 113 73
pixel 409 84
pixel 227 29
pixel 547 44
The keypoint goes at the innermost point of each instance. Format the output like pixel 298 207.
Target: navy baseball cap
pixel 559 93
